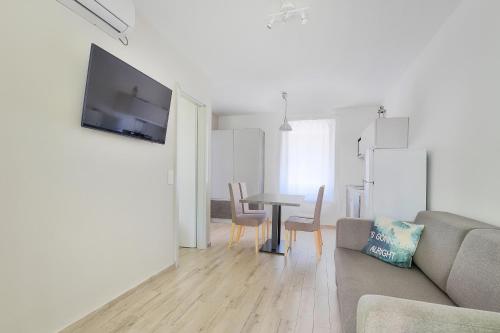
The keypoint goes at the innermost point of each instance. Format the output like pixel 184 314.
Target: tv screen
pixel 121 99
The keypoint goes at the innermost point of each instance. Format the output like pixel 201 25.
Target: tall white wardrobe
pixel 237 156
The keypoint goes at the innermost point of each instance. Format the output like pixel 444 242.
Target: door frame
pixel 204 125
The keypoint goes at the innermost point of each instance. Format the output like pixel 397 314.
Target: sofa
pixel 453 285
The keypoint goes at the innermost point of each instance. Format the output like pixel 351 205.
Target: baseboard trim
pixel 77 323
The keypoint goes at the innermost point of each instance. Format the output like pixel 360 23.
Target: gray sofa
pixel 456 269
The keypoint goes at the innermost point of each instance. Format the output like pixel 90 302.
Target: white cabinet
pixel 222 163
pixel 237 156
pixel 249 159
pixel 384 133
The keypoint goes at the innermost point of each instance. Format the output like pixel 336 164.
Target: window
pixel 308 158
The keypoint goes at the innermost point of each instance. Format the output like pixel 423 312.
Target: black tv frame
pixel 126 133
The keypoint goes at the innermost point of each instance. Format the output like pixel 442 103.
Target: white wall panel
pixel 85 215
pixel 451 95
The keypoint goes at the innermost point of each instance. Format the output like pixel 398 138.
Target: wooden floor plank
pixel 231 290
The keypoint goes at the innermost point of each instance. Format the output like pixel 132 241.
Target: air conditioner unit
pixel 115 17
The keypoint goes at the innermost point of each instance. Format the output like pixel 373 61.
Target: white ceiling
pixel 349 54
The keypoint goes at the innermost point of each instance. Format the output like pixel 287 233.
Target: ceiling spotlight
pixel 288 11
pixel 271 22
pixel 303 18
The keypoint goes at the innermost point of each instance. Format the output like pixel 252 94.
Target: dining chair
pixel 246 210
pixel 308 224
pixel 240 219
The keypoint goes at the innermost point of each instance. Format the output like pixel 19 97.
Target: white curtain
pixel 308 158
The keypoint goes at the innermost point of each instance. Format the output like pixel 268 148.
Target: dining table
pixel 276 200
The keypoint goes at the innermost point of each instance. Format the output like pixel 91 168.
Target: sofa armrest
pixel 353 233
pixel 388 314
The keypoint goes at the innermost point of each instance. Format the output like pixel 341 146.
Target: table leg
pixel 279 224
pixel 276 228
pixel 274 245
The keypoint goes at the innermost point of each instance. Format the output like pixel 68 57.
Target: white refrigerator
pixel 395 183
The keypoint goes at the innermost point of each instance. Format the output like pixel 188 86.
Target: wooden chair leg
pixel 240 228
pixel 263 232
pixel 231 236
pixel 320 236
pixel 287 242
pixel 243 231
pixel 318 243
pixel 295 235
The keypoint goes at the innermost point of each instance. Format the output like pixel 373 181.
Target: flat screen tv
pixel 123 100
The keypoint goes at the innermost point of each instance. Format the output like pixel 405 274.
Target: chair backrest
pixel 319 204
pixel 244 194
pixel 235 195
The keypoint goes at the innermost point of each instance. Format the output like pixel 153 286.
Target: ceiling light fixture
pixel 381 112
pixel 285 127
pixel 271 22
pixel 287 12
pixel 303 18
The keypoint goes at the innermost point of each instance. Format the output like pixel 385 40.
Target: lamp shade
pixel 286 126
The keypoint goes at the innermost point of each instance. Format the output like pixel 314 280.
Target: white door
pixel 187 171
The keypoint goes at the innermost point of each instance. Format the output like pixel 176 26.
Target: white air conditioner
pixel 115 17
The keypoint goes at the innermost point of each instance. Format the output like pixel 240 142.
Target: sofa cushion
pixel 358 274
pixel 474 280
pixel 393 241
pixel 352 233
pixel 440 241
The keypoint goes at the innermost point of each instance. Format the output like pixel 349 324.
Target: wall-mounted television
pixel 123 100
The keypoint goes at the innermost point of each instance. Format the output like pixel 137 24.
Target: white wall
pixel 350 122
pixel 451 94
pixel 85 215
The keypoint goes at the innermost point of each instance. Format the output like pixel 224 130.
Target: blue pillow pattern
pixel 393 241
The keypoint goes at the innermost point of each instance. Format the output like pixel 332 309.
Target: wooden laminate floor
pixel 231 290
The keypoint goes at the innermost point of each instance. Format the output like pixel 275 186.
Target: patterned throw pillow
pixel 393 241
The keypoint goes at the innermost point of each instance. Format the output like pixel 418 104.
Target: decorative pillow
pixel 393 241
